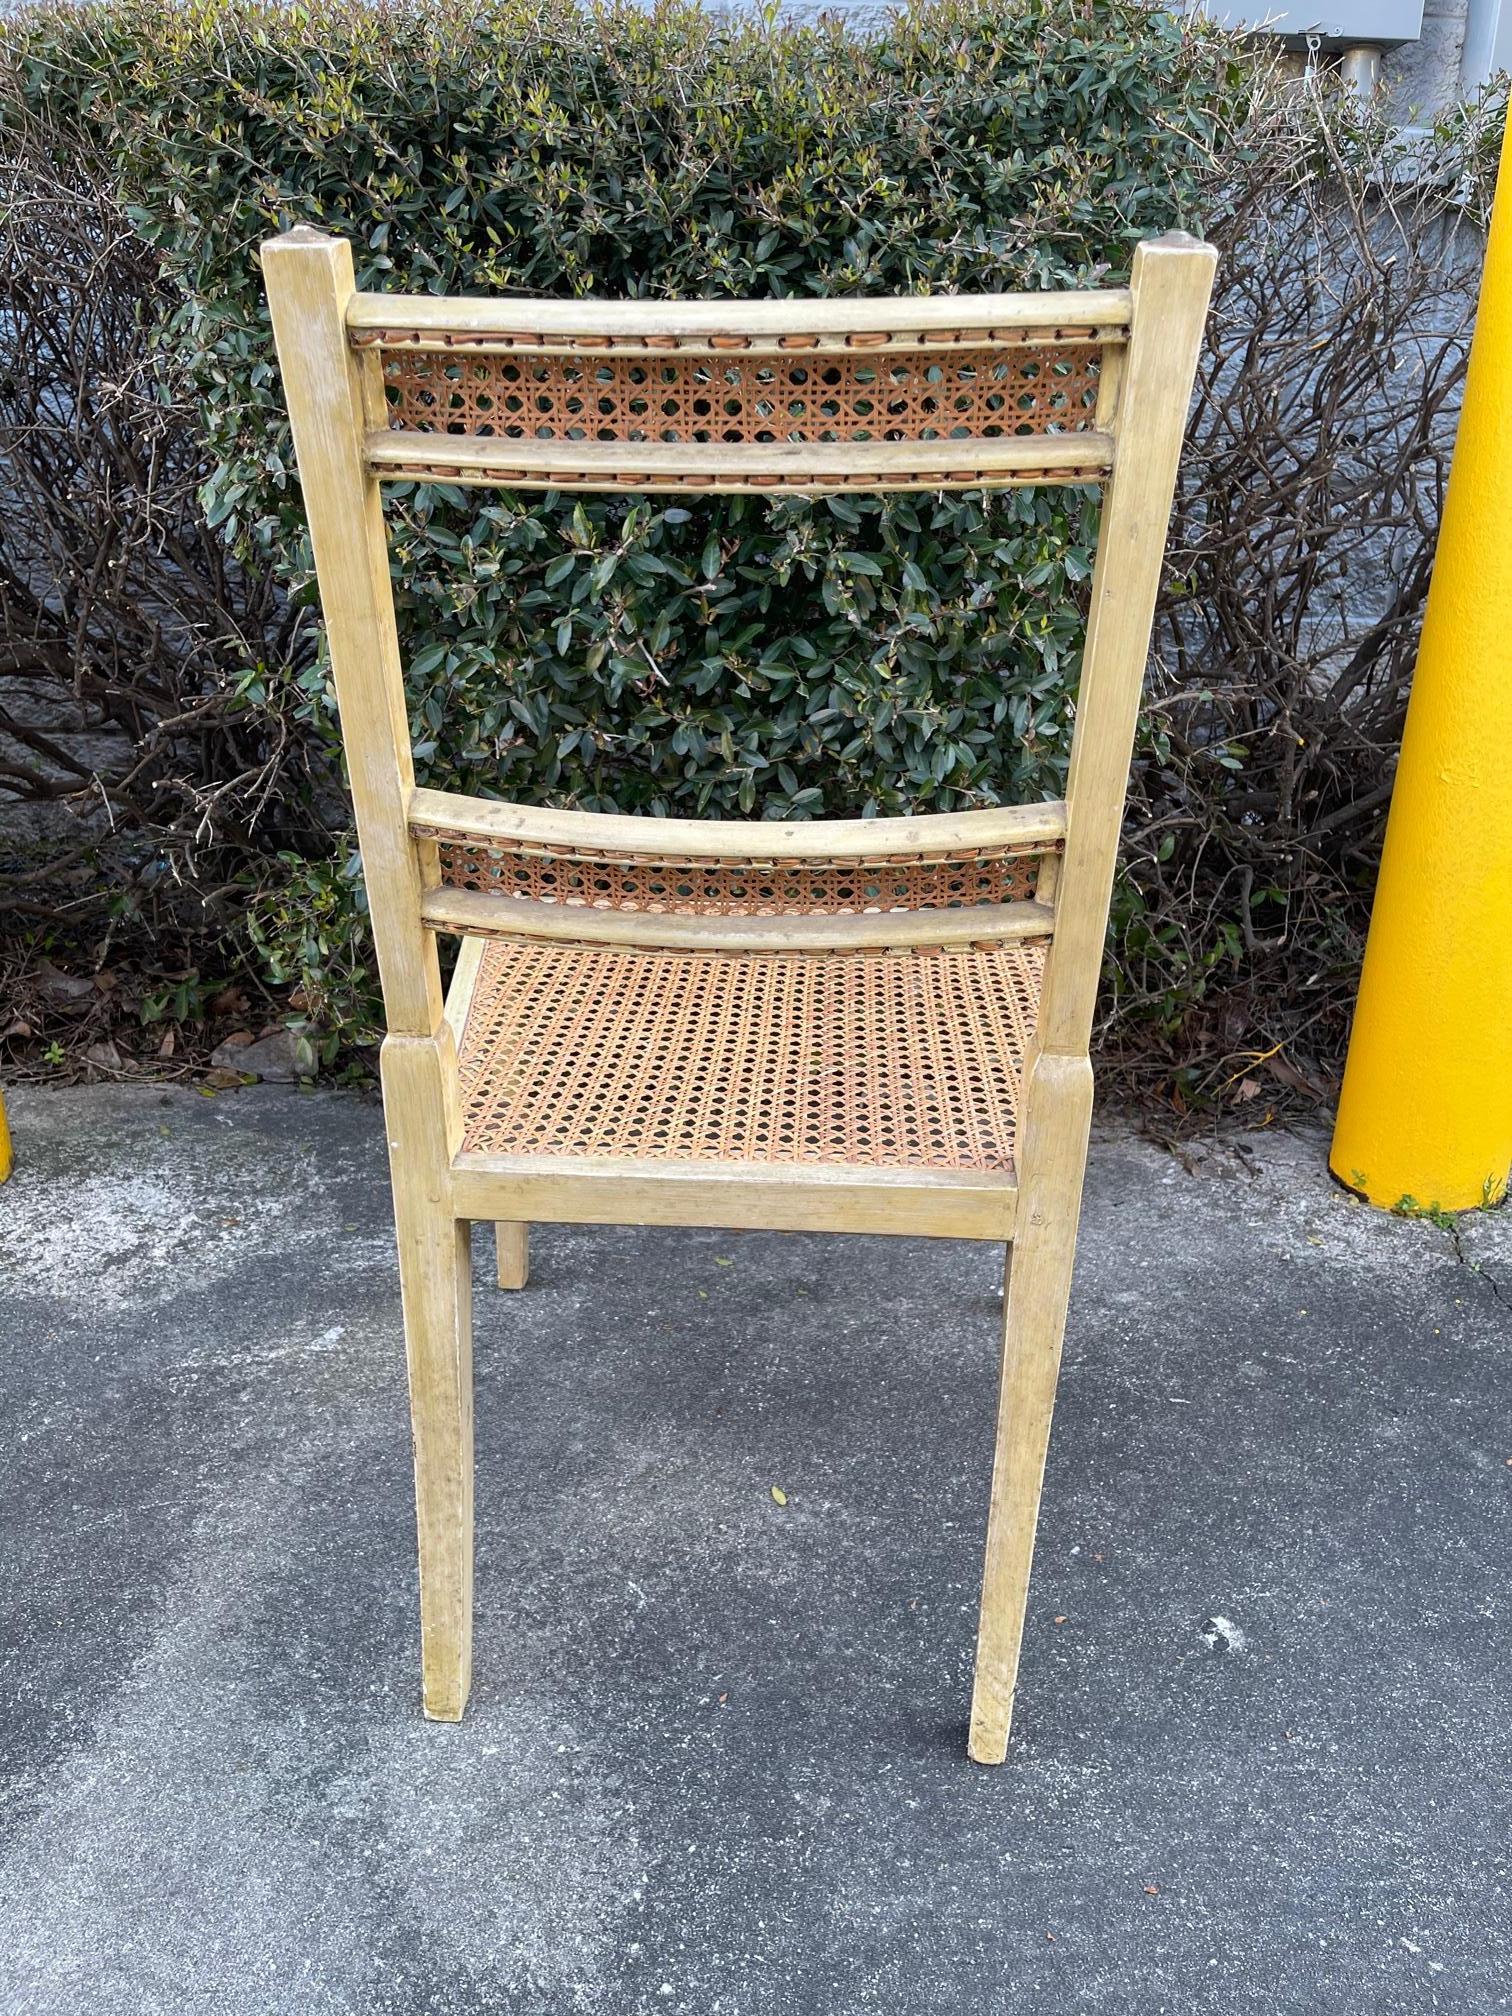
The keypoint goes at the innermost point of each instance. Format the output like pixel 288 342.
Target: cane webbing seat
pixel 854 1025
pixel 885 1060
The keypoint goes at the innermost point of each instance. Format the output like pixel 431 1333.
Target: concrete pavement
pixel 715 1758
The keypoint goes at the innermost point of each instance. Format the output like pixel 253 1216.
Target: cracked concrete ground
pixel 714 1762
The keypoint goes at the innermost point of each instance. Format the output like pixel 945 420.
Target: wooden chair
pixel 853 1026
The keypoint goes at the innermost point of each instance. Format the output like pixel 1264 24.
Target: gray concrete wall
pixel 1424 76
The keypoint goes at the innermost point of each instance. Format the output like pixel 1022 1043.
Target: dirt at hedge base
pixel 61 1027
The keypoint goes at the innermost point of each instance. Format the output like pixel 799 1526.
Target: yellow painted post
pixel 7 1160
pixel 1425 1115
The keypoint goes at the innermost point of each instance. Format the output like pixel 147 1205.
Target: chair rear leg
pixel 512 1243
pixel 435 1276
pixel 1058 1108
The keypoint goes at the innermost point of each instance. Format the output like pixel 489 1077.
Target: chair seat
pixel 908 1060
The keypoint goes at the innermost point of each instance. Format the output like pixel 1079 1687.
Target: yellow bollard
pixel 7 1160
pixel 1425 1114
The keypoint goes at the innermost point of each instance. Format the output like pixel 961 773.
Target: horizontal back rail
pixel 473 913
pixel 443 319
pixel 926 834
pixel 512 870
pixel 814 468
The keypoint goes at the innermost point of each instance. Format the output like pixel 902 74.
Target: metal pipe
pixel 1360 69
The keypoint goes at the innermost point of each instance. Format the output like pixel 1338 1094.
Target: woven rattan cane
pixel 921 395
pixel 857 1025
pixel 709 887
pixel 881 1060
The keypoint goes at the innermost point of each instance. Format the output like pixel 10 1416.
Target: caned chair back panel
pixel 902 394
pixel 927 393
pixel 510 870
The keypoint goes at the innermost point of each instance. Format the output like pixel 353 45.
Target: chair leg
pixel 512 1243
pixel 1058 1108
pixel 435 1279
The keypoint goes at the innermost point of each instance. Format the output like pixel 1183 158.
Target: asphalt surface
pixel 715 1758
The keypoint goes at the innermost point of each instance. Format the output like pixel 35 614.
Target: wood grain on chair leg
pixel 512 1243
pixel 1058 1111
pixel 436 1282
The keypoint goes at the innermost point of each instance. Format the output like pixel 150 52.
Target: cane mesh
pixel 711 886
pixel 851 395
pixel 896 1060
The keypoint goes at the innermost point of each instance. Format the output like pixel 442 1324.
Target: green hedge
pixel 721 657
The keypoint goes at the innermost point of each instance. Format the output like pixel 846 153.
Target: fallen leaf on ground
pixel 779 1494
pixel 1295 1080
pixel 68 989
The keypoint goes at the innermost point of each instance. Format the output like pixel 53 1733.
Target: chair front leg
pixel 436 1282
pixel 1057 1115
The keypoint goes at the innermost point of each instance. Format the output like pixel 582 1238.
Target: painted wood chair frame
pixel 743 960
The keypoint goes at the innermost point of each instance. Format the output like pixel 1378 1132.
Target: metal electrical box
pixel 1339 23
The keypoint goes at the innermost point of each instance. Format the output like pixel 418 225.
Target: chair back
pixel 916 393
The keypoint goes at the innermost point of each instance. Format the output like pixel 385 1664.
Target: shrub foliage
pixel 719 656
pixel 770 658
pixel 1300 554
